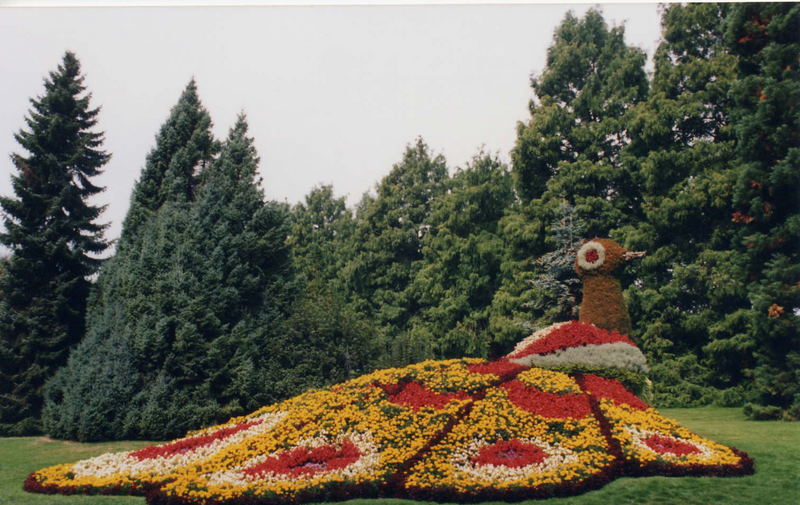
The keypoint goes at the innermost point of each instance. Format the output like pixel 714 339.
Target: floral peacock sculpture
pixel 558 416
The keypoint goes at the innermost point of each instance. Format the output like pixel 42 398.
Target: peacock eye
pixel 591 255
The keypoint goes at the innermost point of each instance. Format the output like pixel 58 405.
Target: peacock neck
pixel 603 304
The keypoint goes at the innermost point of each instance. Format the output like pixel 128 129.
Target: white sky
pixel 333 93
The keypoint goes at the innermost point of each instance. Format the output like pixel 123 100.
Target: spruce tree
pixel 54 238
pixel 555 288
pixel 75 407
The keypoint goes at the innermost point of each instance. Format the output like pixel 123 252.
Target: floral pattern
pixel 463 429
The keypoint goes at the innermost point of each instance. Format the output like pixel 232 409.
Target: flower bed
pixel 447 430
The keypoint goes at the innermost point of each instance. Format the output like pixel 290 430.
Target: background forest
pixel 216 301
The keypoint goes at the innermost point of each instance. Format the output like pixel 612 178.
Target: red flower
pixel 544 404
pixel 665 445
pixel 190 444
pixel 512 453
pixel 572 334
pixel 611 389
pixel 739 217
pixel 308 461
pixel 502 368
pixel 415 395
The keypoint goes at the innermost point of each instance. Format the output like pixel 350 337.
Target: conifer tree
pixel 555 288
pixel 570 149
pixel 54 238
pixel 329 333
pixel 321 225
pixel 74 406
pixel 462 252
pixel 766 213
pixel 386 248
pixel 682 148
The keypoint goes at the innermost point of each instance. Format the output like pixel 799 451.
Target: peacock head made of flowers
pixel 600 339
pixel 559 415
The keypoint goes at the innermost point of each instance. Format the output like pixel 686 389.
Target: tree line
pixel 217 301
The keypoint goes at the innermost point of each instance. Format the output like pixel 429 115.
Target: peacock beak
pixel 630 255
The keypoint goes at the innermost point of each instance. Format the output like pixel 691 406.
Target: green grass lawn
pixel 774 445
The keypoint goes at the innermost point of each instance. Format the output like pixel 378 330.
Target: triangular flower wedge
pixel 456 430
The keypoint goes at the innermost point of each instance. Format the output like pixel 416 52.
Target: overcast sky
pixel 333 93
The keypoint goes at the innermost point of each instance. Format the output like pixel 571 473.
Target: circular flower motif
pixel 667 446
pixel 511 453
pixel 591 255
pixel 308 460
pixel 322 457
pixel 510 460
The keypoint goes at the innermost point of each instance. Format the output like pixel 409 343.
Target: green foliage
pixel 462 256
pixel 54 239
pixel 328 341
pixel 555 288
pixel 196 294
pixel 571 148
pixel 766 115
pixel 762 412
pixel 385 251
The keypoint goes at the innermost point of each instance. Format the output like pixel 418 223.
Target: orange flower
pixel 775 311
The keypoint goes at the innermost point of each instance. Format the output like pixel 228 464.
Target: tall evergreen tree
pixel 386 248
pixel 766 201
pixel 193 319
pixel 184 146
pixel 682 148
pixel 570 149
pixel 127 287
pixel 321 225
pixel 462 252
pixel 54 238
pixel 333 339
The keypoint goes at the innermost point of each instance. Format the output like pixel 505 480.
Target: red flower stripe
pixel 551 405
pixel 511 453
pixel 308 461
pixel 190 444
pixel 611 389
pixel 572 334
pixel 664 445
pixel 502 368
pixel 415 395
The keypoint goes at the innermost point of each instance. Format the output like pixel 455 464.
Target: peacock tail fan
pixel 456 430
